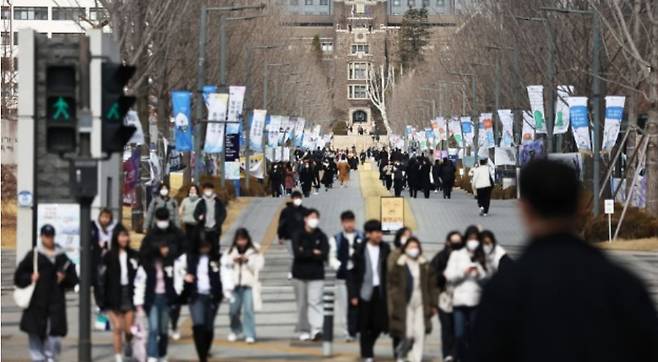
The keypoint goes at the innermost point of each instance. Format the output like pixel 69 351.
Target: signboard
pixel 392 213
pixel 232 151
pixel 609 206
pixel 65 218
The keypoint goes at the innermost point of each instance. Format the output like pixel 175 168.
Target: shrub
pixel 637 224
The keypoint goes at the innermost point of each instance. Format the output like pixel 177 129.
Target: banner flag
pixel 132 119
pixel 235 101
pixel 181 103
pixel 485 131
pixel 455 131
pixel 528 130
pixel 561 124
pixel 256 131
pixel 505 156
pixel 467 129
pixel 217 105
pixel 207 90
pixel 429 135
pixel 536 96
pixel 273 131
pixel 580 122
pixel 299 131
pixel 614 111
pixel 407 131
pixel 507 120
pixel 443 129
pixel 422 141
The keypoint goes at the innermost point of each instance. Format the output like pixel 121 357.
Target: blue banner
pixel 181 104
pixel 207 89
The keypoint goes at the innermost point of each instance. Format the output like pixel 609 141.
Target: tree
pixel 317 47
pixel 378 85
pixel 413 36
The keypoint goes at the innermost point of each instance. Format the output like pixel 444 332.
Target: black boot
pixel 200 339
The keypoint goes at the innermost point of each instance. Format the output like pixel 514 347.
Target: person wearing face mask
pixel 412 300
pixel 311 251
pixel 246 261
pixel 211 213
pixel 495 255
pixel 190 223
pixel 424 177
pixel 202 291
pixel 306 178
pixel 399 178
pixel 101 240
pixel 454 241
pixel 341 248
pixel 400 238
pixel 482 184
pixel 343 171
pixel 465 270
pixel 162 200
pixel 291 222
pixel 276 180
pixel 366 285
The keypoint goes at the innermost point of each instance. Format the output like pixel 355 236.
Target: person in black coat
pixel 291 221
pixel 399 178
pixel 114 292
pixel 436 175
pixel 454 241
pixel 101 239
pixel 276 179
pixel 413 171
pixel 203 292
pixel 424 177
pixel 306 177
pixel 311 250
pixel 210 213
pixel 366 285
pixel 562 299
pixel 447 176
pixel 44 320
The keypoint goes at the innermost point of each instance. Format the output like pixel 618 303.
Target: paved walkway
pixel 276 341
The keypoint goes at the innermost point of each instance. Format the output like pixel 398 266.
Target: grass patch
pixel 646 244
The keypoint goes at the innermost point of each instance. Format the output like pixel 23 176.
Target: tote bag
pixel 257 296
pixel 23 296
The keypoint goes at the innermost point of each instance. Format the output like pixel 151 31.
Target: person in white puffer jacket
pixel 246 261
pixel 482 184
pixel 466 270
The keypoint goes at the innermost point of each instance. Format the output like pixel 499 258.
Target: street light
pixel 474 113
pixel 596 96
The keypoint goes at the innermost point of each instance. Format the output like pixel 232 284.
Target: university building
pixel 358 35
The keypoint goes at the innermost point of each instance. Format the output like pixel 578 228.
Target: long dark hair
pixel 487 234
pixel 398 235
pixel 114 244
pixel 413 239
pixel 450 235
pixel 241 233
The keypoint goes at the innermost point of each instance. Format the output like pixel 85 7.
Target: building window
pixel 441 3
pixel 357 71
pixel 294 2
pixel 324 2
pixel 359 117
pixel 61 13
pixel 327 46
pixel 357 91
pixel 396 3
pixel 6 13
pixel 308 2
pixel 66 36
pixel 30 13
pixel 6 38
pixel 360 48
pixel 426 3
pixel 97 14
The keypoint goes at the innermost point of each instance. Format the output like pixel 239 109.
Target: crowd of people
pixel 561 299
pixel 311 171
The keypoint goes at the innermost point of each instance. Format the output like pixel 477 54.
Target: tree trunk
pixel 652 131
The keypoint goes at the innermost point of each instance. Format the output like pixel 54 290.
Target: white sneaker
pixel 250 340
pixel 174 334
pixel 448 359
pixel 162 359
pixel 118 357
pixel 305 337
pixel 289 275
pixel 232 337
pixel 481 210
pixel 152 359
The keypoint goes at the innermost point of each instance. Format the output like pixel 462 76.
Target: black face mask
pixel 456 246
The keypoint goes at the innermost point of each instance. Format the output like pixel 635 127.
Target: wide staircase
pixel 360 142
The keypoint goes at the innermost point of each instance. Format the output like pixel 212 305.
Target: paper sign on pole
pixel 561 124
pixel 609 206
pixel 614 111
pixel 536 96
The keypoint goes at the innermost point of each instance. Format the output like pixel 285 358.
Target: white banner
pixel 561 124
pixel 443 128
pixel 299 131
pixel 232 170
pixel 579 117
pixel 217 106
pixel 536 96
pixel 614 111
pixel 256 131
pixel 505 156
pixel 507 120
pixel 132 119
pixel 528 129
pixel 273 130
pixel 485 131
pixel 455 131
pixel 468 130
pixel 236 98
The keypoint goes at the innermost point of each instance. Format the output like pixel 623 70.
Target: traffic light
pixel 115 106
pixel 61 121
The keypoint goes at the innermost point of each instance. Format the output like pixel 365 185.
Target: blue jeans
pixel 243 300
pixel 158 327
pixel 203 311
pixel 464 317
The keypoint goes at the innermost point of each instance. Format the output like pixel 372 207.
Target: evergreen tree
pixel 413 36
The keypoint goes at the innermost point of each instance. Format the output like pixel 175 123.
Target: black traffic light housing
pixel 115 134
pixel 61 105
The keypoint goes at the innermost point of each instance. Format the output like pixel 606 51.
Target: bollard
pixel 328 322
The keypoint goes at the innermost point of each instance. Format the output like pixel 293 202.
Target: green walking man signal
pixel 113 112
pixel 61 109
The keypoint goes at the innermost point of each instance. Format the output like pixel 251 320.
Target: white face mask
pixel 162 224
pixel 403 239
pixel 164 192
pixel 208 193
pixel 313 223
pixel 192 194
pixel 487 248
pixel 297 202
pixel 471 245
pixel 413 253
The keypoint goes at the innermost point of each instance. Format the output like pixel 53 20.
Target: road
pixel 276 341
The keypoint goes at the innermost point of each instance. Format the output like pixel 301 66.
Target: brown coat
pixel 343 171
pixel 398 295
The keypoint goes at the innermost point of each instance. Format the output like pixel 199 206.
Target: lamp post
pixel 516 81
pixel 596 97
pixel 474 112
